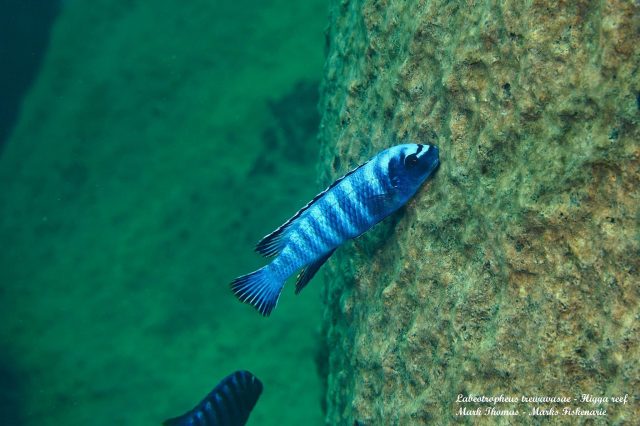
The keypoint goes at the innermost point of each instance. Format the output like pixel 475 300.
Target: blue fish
pixel 346 209
pixel 228 404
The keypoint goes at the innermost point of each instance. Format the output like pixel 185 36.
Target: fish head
pixel 412 164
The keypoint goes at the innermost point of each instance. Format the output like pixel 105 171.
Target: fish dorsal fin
pixel 273 243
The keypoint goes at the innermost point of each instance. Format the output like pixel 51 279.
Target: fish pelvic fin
pixel 307 273
pixel 260 289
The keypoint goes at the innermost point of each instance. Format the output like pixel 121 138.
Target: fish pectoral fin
pixel 380 204
pixel 307 273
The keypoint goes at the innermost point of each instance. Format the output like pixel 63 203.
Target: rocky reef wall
pixel 516 270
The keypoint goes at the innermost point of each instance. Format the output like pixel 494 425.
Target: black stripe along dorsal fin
pixel 273 243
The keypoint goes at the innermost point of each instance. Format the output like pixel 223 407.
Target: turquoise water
pixel 159 142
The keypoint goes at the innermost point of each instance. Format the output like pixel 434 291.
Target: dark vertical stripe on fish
pixel 345 209
pixel 306 234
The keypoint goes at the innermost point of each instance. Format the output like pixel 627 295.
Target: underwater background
pixel 159 141
pixel 148 145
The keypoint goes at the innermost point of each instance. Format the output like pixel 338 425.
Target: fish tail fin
pixel 261 289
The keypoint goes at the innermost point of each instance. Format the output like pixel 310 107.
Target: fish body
pixel 346 209
pixel 228 404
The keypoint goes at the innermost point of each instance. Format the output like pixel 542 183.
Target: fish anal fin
pixel 307 273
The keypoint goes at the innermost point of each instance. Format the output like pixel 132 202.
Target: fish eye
pixel 411 160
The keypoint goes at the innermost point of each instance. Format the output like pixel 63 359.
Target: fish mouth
pixel 434 168
pixel 435 164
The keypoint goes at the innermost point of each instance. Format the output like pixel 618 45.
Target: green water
pixel 160 141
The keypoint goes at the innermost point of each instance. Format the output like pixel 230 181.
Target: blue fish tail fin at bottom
pixel 261 289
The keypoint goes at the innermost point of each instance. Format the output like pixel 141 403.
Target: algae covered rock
pixel 515 271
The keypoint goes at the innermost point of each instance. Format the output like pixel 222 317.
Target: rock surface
pixel 516 270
